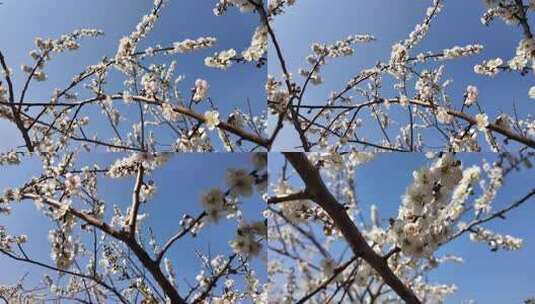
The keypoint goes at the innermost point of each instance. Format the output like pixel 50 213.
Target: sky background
pixel 179 186
pixel 486 277
pixel 22 21
pixel 389 21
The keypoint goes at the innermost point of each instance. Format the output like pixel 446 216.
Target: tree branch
pixel 498 214
pixel 177 236
pixel 16 112
pixel 136 201
pixel 301 195
pixel 323 197
pixel 123 236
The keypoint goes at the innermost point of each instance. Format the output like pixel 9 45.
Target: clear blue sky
pixel 180 184
pixel 389 21
pixel 22 21
pixel 487 277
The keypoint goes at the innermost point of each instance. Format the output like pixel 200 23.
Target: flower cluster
pixel 398 59
pixel 258 45
pixel 9 158
pixel 248 238
pixel 73 183
pixel 421 30
pixel 426 214
pixel 459 51
pixel 221 60
pixel 218 203
pixel 214 204
pixel 489 68
pixel 194 141
pixel 64 246
pixel 212 119
pixel 495 174
pixel 443 116
pixel 494 240
pixel 482 121
pixel 124 58
pixel 340 48
pixel 200 91
pixel 128 165
pixel 507 10
pixel 471 95
pixel 190 45
pixel 275 7
pixel 278 98
pixel 3 93
pixel 7 241
pixel 240 182
pixel 45 48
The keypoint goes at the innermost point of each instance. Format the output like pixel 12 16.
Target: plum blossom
pixel 482 121
pixel 248 237
pixel 73 183
pixel 471 95
pixel 489 68
pixel 496 241
pixel 221 60
pixel 213 202
pixel 212 119
pixel 200 91
pixel 258 44
pixel 240 182
pixel 190 45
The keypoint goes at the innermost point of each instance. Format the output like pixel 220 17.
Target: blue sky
pixel 22 21
pixel 487 277
pixel 389 21
pixel 179 186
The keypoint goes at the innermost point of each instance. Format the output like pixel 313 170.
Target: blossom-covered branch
pixel 434 120
pixel 324 247
pixel 106 251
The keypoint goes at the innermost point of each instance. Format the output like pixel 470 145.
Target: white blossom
pixel 221 60
pixel 200 91
pixel 212 119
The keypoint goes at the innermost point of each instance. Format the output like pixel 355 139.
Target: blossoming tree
pixel 360 113
pixel 433 117
pixel 104 252
pixel 309 219
pixel 151 99
pixel 322 249
pixel 402 103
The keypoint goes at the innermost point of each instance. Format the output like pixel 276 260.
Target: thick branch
pixel 155 271
pixel 301 195
pixel 131 243
pixel 323 197
pixel 89 219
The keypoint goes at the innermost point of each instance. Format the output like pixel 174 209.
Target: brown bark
pixel 323 197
